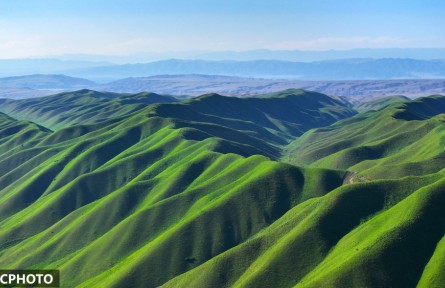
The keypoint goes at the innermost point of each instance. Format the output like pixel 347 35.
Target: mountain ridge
pixel 192 193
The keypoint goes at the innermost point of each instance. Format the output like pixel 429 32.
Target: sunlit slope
pixel 402 139
pixel 79 107
pixel 375 234
pixel 186 195
pixel 17 135
pixel 152 195
pixel 380 103
pixel 161 223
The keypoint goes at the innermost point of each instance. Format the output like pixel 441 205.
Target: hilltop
pixel 79 107
pixel 380 103
pixel 399 140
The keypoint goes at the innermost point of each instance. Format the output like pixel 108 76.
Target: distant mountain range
pixel 346 69
pixel 38 85
pixel 18 67
pixel 39 81
pixel 193 85
pixel 350 69
pixel 305 56
pixel 265 54
pixel 186 86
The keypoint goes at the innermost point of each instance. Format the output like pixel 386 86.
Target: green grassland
pixel 80 107
pixel 144 191
pixel 380 103
pixel 400 140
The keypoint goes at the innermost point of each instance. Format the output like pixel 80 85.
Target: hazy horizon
pixel 244 55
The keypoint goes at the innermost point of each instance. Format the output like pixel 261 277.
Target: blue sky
pixel 121 27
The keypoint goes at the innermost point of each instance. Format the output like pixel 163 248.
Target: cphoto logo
pixel 29 278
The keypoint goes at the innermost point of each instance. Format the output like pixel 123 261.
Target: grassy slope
pixel 356 236
pixel 79 107
pixel 402 139
pixel 174 194
pixel 172 181
pixel 287 114
pixel 380 103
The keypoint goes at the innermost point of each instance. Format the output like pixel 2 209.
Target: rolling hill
pixel 380 103
pixel 78 107
pixel 71 194
pixel 401 139
pixel 196 193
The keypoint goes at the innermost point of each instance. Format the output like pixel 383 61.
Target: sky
pixel 33 28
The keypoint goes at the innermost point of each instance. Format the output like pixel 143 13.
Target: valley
pixel 286 189
pixel 222 144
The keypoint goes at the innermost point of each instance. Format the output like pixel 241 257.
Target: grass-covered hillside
pixel 138 199
pixel 402 139
pixel 118 192
pixel 380 103
pixel 79 107
pixel 375 233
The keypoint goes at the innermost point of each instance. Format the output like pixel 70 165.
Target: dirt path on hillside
pixel 349 178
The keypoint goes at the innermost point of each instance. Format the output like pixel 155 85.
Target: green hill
pixel 380 103
pixel 402 139
pixel 126 193
pixel 79 107
pixel 278 118
pixel 191 194
pixel 376 234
